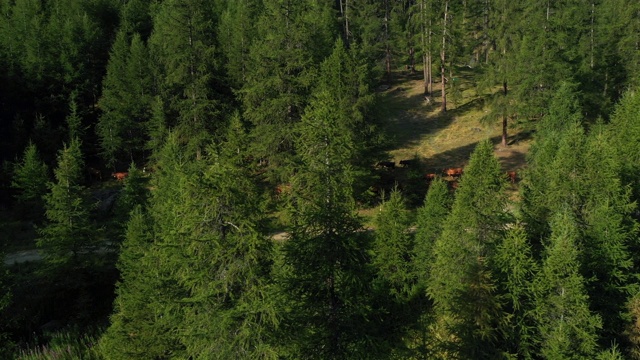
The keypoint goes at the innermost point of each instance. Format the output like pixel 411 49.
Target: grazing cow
pixel 430 177
pixel 387 164
pixel 512 175
pixel 409 162
pixel 453 172
pixel 120 175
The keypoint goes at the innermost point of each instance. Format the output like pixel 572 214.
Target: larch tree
pixel 462 282
pixel 293 37
pixel 392 247
pixel 566 326
pixel 183 48
pixel 68 239
pixel 609 234
pixel 237 31
pixel 326 274
pixel 30 178
pixel 227 256
pixel 125 101
pixel 134 331
pixel 430 220
pixel 516 269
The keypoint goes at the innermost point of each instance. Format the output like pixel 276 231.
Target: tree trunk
pixel 504 117
pixel 386 38
pixel 443 107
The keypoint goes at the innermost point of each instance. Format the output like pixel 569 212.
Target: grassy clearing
pixel 442 140
pixel 417 129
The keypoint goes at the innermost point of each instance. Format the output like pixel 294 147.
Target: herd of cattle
pixel 451 175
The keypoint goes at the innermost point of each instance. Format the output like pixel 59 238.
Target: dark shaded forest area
pixel 151 150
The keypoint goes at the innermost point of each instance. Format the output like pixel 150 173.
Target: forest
pixel 214 179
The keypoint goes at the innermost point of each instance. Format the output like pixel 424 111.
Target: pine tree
pixel 462 283
pixel 566 326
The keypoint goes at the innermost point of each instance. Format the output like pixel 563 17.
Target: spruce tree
pixel 566 326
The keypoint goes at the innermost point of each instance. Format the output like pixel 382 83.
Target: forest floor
pixel 418 129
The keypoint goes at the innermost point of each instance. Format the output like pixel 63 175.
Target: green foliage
pixel 326 278
pixel 566 326
pixel 393 246
pixel 126 100
pixel 30 179
pixel 516 269
pixel 184 53
pixel 68 237
pixel 462 284
pixel 430 220
pixel 64 345
pixel 275 96
pixel 134 331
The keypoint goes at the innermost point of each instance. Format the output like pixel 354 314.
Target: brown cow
pixel 120 175
pixel 453 172
pixel 512 175
pixel 430 176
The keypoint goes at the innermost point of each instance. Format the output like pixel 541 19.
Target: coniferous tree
pixel 566 326
pixel 462 283
pixel 230 238
pixel 293 37
pixel 183 46
pixel 237 30
pixel 610 234
pixel 30 180
pixel 516 269
pixel 327 275
pixel 125 101
pixel 430 220
pixel 68 238
pixel 134 331
pixel 393 245
pixel 537 203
